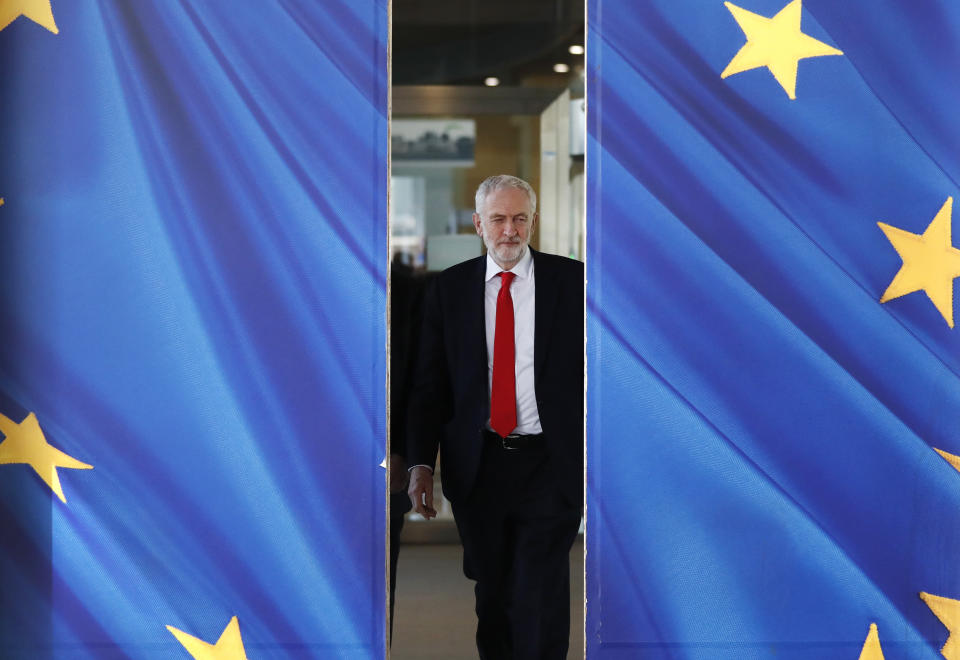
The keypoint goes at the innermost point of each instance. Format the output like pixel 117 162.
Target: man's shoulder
pixel 463 270
pixel 466 270
pixel 453 281
pixel 555 262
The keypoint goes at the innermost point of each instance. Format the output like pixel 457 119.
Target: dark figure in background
pixel 499 390
pixel 406 296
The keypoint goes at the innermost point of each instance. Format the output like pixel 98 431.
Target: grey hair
pixel 499 181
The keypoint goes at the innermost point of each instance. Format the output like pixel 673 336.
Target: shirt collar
pixel 522 269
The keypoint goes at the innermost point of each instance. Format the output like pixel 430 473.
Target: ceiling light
pixel 560 67
pixel 576 49
pixel 491 81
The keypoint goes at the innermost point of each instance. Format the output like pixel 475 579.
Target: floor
pixel 434 617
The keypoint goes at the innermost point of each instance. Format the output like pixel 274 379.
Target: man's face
pixel 506 225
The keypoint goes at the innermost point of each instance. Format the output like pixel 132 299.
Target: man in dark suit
pixel 499 391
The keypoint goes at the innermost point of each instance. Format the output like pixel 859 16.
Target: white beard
pixel 505 253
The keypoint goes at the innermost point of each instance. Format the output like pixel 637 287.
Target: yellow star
pixel 776 43
pixel 930 262
pixel 948 611
pixel 25 443
pixel 38 11
pixel 950 458
pixel 228 647
pixel 871 648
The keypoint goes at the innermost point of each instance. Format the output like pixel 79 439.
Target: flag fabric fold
pixel 192 249
pixel 762 473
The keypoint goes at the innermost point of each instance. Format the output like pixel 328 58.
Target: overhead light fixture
pixel 576 49
pixel 560 67
pixel 492 81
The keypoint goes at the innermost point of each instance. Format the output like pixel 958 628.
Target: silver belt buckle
pixel 503 441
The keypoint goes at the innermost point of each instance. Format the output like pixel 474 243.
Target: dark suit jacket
pixel 450 401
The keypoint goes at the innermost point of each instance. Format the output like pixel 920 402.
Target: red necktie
pixel 503 393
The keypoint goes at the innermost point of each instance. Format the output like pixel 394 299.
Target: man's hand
pixel 421 491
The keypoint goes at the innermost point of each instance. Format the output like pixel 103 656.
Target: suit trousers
pixel 517 531
pixel 399 505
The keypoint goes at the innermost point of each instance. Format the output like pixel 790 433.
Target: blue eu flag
pixel 773 360
pixel 192 295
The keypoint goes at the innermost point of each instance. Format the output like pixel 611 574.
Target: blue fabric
pixel 762 480
pixel 193 263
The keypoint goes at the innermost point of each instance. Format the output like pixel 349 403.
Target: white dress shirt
pixel 522 292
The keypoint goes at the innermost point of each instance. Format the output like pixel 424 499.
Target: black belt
pixel 515 441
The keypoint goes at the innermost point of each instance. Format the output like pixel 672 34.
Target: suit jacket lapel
pixel 544 307
pixel 474 338
pixel 476 321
